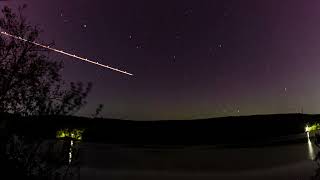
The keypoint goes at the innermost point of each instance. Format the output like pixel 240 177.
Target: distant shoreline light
pixel 313 127
pixel 65 53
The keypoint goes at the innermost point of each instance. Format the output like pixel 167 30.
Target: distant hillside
pixel 178 132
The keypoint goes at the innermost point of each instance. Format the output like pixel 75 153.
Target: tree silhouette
pixel 30 83
pixel 316 142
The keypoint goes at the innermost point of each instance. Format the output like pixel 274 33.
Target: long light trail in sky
pixel 65 53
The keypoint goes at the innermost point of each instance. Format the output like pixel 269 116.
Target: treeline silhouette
pixel 35 103
pixel 31 82
pixel 227 130
pixel 31 86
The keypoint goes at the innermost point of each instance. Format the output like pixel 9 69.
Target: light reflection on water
pixel 70 151
pixel 311 153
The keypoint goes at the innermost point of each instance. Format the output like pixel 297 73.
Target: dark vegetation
pixel 316 142
pixel 35 102
pixel 31 86
pixel 30 83
pixel 228 130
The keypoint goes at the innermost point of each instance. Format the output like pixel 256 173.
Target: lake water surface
pixel 113 162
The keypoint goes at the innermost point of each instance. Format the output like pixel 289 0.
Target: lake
pixel 113 162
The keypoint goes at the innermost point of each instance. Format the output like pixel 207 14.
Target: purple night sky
pixel 191 59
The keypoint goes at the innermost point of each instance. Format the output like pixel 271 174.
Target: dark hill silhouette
pixel 226 130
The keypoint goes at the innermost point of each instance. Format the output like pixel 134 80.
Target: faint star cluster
pixel 219 58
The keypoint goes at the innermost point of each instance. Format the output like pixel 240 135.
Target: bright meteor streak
pixel 65 53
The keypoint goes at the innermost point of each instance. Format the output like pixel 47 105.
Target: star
pixel 285 91
pixel 188 12
pixel 177 36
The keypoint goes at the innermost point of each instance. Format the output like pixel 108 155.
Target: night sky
pixel 190 59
